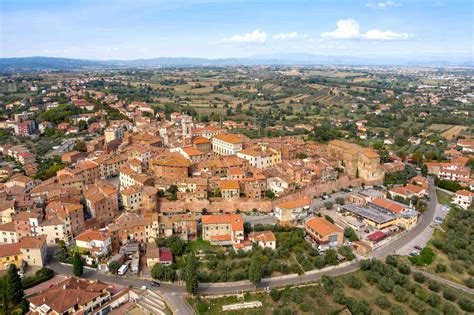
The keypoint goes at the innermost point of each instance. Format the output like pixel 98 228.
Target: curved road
pixel 175 292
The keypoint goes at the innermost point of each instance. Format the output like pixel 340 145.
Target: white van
pixel 123 269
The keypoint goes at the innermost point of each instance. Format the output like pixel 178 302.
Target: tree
pixel 424 170
pixel 190 273
pixel 340 201
pixel 77 265
pixel 328 205
pixel 163 273
pixel 80 146
pixel 270 194
pixel 14 288
pixel 255 268
pixel 114 266
pixel 328 218
pixel 350 234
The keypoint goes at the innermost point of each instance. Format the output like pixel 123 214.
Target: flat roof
pixel 371 213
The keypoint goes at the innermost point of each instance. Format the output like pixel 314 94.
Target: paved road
pixel 175 292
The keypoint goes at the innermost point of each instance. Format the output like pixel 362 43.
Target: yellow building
pixel 10 254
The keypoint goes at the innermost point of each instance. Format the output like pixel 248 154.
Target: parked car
pixel 417 247
pixel 415 253
pixel 438 220
pixel 154 283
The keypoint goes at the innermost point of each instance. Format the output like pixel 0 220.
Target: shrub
pixel 422 294
pixel 457 267
pixel 404 269
pixel 358 307
pixel 434 286
pixel 425 258
pixel 40 276
pixel 338 296
pixel 319 262
pixel 419 277
pixel 440 268
pixel 434 300
pixel 383 302
pixel 400 294
pixel 354 282
pixel 469 283
pixel 449 294
pixel 391 260
pixel 450 309
pixel 350 234
pixel 386 285
pixel 416 304
pixel 304 307
pixel 466 305
pixel 330 257
pixel 346 251
pixel 398 310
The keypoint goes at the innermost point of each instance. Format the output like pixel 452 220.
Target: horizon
pixel 122 30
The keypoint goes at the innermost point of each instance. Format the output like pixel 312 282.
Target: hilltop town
pixel 235 173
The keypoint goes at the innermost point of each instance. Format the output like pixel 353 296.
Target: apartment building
pixel 325 233
pixel 227 144
pixel 292 212
pixel 223 229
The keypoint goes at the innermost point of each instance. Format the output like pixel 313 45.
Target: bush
pixel 400 294
pixel 319 262
pixel 434 300
pixel 386 285
pixel 354 282
pixel 449 294
pixel 338 296
pixel 42 275
pixel 416 304
pixel 398 310
pixel 450 309
pixel 163 273
pixel 469 283
pixel 457 267
pixel 440 268
pixel 350 234
pixel 346 251
pixel 383 302
pixel 466 305
pixel 419 277
pixel 404 269
pixel 330 257
pixel 391 260
pixel 304 307
pixel 275 294
pixel 434 286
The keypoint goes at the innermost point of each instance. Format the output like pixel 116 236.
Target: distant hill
pixel 52 63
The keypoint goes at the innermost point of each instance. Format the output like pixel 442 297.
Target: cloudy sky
pixel 130 29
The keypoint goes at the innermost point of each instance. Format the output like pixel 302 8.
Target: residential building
pixel 223 229
pixel 264 239
pixel 181 225
pixel 10 254
pixel 34 250
pixel 97 242
pixel 230 189
pixel 463 198
pixel 261 156
pixel 292 212
pixel 226 144
pixel 158 255
pixel 325 233
pixel 170 165
pixel 102 201
pixel 8 233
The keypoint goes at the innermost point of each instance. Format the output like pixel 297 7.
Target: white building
pixel 463 198
pixel 261 157
pixel 98 242
pixel 264 239
pixel 226 144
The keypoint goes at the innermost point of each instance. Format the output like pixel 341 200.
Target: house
pixel 34 250
pixel 97 242
pixel 261 156
pixel 463 198
pixel 10 254
pixel 102 201
pixel 155 255
pixel 170 165
pixel 230 189
pixel 78 296
pixel 421 181
pixel 183 225
pixel 364 196
pixel 226 144
pixel 191 153
pixel 223 229
pixel 292 212
pixel 8 233
pixel 264 239
pixel 325 233
pixel 407 192
pixel 71 157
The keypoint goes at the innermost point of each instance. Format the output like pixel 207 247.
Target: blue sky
pixel 130 29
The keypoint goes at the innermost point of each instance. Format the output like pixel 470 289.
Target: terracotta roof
pixel 225 237
pixel 322 226
pixel 303 202
pixel 465 193
pixel 229 184
pixel 9 226
pixel 68 293
pixel 192 151
pixel 264 236
pixel 33 241
pixel 229 137
pixel 90 235
pixel 236 220
pixel 201 140
pixel 172 159
pixel 388 204
pixel 10 249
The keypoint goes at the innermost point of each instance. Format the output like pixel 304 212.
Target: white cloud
pixel 289 36
pixel 345 29
pixel 377 34
pixel 349 29
pixel 256 36
pixel 383 5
